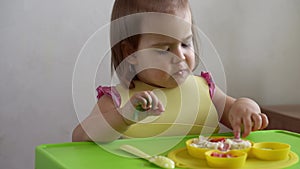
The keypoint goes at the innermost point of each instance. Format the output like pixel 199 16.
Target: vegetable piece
pixel 222 139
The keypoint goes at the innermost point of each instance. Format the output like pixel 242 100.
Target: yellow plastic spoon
pixel 160 161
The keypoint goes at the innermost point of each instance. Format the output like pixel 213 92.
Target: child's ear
pixel 128 50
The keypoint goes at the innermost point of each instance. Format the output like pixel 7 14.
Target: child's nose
pixel 179 52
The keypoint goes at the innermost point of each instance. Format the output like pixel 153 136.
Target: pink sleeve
pixel 109 91
pixel 210 82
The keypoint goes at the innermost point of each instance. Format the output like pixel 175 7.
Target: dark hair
pixel 124 8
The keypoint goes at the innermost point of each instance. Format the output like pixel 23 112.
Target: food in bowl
pixel 270 150
pixel 230 159
pixel 222 155
pixel 198 146
pixel 221 143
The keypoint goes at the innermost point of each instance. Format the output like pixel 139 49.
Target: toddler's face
pixel 165 61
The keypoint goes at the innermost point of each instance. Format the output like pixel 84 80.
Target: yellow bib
pixel 188 110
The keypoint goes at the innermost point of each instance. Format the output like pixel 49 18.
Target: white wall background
pixel 258 42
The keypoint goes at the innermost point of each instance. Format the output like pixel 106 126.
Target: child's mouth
pixel 181 73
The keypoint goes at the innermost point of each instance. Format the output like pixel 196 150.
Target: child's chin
pixel 180 81
pixel 177 82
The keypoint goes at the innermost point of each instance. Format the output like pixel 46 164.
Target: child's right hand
pixel 140 106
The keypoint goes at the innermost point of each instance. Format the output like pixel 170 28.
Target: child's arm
pixel 96 128
pixel 236 113
pixel 107 122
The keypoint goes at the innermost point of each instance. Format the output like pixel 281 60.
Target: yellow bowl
pixel 270 150
pixel 237 161
pixel 195 151
pixel 198 152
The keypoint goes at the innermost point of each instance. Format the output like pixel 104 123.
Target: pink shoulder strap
pixel 109 91
pixel 207 76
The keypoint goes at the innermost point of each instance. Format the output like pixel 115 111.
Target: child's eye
pixel 186 45
pixel 163 51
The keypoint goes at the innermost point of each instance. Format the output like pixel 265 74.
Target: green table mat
pixel 89 155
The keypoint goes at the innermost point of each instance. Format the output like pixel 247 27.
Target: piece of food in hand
pixel 139 107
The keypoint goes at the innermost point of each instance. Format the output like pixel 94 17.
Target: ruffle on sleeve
pixel 109 91
pixel 207 76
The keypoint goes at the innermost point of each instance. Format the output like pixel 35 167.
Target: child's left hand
pixel 245 112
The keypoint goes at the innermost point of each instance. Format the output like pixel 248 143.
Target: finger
pixel 264 120
pixel 247 122
pixel 154 112
pixel 157 106
pixel 149 99
pixel 237 133
pixel 141 101
pixel 154 100
pixel 257 121
pixel 160 106
pixel 236 128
